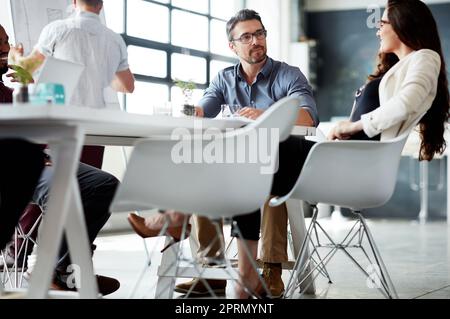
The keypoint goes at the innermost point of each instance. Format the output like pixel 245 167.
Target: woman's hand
pixel 344 130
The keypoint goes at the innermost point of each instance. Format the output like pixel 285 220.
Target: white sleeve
pixel 419 83
pixel 47 39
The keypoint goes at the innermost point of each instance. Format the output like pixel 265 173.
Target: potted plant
pixel 187 88
pixel 24 77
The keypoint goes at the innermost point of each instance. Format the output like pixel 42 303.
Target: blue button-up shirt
pixel 275 81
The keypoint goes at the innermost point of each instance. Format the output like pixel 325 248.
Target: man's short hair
pixel 92 3
pixel 242 15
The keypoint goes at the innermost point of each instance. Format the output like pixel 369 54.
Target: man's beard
pixel 252 60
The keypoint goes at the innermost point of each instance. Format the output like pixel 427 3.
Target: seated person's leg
pixel 20 165
pixel 209 247
pixel 292 155
pixel 97 189
pixel 246 228
pixel 274 246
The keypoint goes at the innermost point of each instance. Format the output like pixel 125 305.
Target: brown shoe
pixel 272 276
pixel 106 285
pixel 199 289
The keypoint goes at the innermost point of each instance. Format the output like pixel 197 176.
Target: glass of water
pixel 163 109
pixel 230 110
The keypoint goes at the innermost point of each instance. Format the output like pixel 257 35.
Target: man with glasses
pixel 256 83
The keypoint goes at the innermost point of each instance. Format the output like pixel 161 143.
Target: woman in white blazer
pixel 414 80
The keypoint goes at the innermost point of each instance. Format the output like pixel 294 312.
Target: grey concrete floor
pixel 416 255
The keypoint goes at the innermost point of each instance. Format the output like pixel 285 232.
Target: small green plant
pixel 187 88
pixel 21 75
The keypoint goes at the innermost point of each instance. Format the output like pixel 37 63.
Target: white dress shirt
pixel 83 39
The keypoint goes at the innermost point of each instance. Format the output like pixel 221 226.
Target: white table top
pixel 116 127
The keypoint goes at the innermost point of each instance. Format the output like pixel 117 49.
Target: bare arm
pixel 123 81
pixel 304 118
pixel 31 62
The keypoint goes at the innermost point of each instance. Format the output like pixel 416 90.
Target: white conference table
pixel 66 129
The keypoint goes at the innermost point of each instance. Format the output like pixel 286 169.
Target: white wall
pixel 5 18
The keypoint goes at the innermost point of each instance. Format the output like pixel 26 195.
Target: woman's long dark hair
pixel 415 26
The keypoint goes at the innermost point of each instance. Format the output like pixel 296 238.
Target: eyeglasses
pixel 246 38
pixel 381 23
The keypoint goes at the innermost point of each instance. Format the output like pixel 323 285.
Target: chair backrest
pixel 353 174
pixel 215 177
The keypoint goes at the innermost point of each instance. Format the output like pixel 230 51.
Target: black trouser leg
pixel 21 165
pixel 292 156
pixel 97 189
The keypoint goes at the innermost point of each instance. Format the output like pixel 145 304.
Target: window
pixel 114 15
pixel 189 30
pixel 171 39
pixel 148 62
pixel 188 68
pixel 200 6
pixel 219 40
pixel 145 96
pixel 216 66
pixel 148 20
pixel 225 9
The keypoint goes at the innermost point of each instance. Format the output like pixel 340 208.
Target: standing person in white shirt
pixel 83 39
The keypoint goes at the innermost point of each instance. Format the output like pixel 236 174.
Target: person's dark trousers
pixel 97 189
pixel 292 155
pixel 91 155
pixel 21 164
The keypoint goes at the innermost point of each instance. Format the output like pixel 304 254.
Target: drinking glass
pixel 230 110
pixel 163 109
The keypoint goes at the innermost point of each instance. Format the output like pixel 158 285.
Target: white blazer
pixel 406 91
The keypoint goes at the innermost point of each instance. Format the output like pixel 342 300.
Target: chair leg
pixel 297 211
pixel 384 285
pixel 164 287
pixel 200 271
pixel 391 292
pixel 302 271
pixel 357 232
pixel 178 253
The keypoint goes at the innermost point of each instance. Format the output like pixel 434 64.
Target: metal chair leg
pixel 384 272
pixel 357 232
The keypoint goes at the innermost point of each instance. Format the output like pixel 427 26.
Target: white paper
pixel 31 16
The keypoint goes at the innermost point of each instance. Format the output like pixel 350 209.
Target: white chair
pixel 363 175
pixel 232 180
